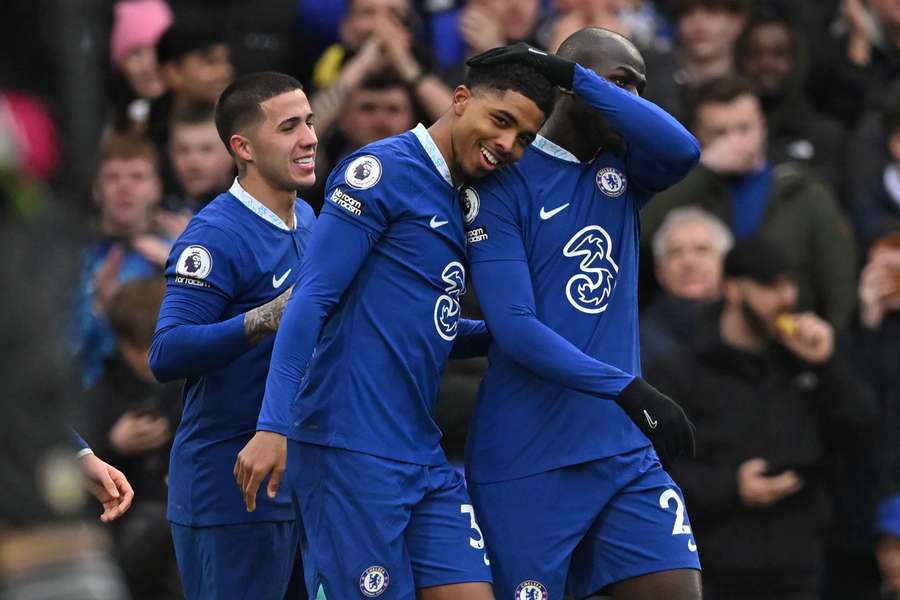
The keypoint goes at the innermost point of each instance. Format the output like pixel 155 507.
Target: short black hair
pixel 756 258
pixel 723 90
pixel 517 78
pixel 186 35
pixel 193 114
pixel 386 79
pixel 239 104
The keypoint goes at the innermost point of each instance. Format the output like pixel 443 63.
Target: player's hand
pixel 660 418
pixel 758 490
pixel 264 455
pixel 109 486
pixel 559 71
pixel 810 338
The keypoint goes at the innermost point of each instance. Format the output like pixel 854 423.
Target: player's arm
pixel 660 150
pixel 350 224
pixel 191 336
pixel 472 339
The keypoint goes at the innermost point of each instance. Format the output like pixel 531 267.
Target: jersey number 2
pixel 665 502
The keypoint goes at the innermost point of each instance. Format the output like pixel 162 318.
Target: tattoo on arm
pixel 264 320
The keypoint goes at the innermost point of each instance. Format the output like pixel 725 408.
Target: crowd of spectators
pixel 770 287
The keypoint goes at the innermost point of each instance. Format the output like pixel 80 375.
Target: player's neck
pixel 441 133
pixel 280 202
pixel 563 132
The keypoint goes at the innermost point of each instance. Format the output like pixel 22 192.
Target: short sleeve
pixel 360 190
pixel 493 228
pixel 207 259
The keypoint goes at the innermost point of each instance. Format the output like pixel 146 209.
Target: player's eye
pixel 501 121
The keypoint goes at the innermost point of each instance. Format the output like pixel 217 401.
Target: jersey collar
pixel 433 153
pixel 547 147
pixel 244 197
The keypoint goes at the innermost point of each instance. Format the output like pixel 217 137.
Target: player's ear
pixel 241 147
pixel 461 97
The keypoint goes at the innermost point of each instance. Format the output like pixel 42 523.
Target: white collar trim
pixel 547 147
pixel 255 206
pixel 433 152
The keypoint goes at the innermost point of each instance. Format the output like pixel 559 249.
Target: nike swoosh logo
pixel 650 420
pixel 691 545
pixel 435 223
pixel 536 51
pixel 549 214
pixel 277 281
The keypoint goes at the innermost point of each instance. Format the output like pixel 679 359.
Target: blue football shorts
pixel 379 528
pixel 580 528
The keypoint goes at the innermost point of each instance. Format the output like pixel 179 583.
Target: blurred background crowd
pixel 108 147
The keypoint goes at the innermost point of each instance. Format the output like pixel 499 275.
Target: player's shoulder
pixel 219 224
pixel 381 164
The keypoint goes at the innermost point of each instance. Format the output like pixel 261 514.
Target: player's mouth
pixel 306 163
pixel 489 160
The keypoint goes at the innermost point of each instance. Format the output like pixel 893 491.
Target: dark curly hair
pixel 518 78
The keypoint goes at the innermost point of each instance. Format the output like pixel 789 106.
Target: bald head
pixel 609 54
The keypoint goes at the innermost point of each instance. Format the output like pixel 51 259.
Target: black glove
pixel 660 418
pixel 559 71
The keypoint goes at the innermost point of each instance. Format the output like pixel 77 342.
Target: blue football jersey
pixel 235 255
pixel 380 289
pixel 576 227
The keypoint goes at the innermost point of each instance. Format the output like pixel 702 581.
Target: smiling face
pixel 281 146
pixel 493 128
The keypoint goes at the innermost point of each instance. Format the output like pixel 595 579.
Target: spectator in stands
pixel 131 419
pixel 196 66
pixel 861 62
pixel 706 32
pixel 770 58
pixel 127 191
pixel 137 26
pixel 381 107
pixel 375 35
pixel 889 546
pixel 637 20
pixel 688 250
pixel 200 161
pixel 770 397
pixel 736 182
pixel 875 193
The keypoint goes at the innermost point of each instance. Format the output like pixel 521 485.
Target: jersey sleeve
pixel 507 301
pixel 337 249
pixel 361 191
pixel 202 276
pixel 493 229
pixel 660 151
pixel 472 339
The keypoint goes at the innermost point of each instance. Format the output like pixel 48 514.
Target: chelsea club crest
pixel 374 581
pixel 531 590
pixel 611 182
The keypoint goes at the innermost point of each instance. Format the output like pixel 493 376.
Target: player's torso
pixel 221 407
pixel 384 346
pixel 580 233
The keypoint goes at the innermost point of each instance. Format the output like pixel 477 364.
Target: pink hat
pixel 137 24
